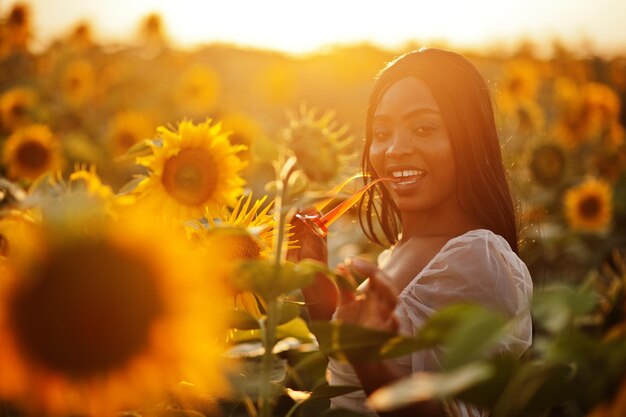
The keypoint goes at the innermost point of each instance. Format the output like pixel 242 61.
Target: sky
pixel 298 27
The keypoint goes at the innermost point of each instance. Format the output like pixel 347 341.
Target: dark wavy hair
pixel 466 109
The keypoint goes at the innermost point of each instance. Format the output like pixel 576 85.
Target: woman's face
pixel 410 142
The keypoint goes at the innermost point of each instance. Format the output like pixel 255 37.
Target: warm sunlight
pixel 299 26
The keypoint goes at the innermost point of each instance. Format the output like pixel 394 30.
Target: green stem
pixel 268 326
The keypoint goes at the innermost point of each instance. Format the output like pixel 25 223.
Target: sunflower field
pixel 146 193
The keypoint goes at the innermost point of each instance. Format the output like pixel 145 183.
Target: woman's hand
pixel 310 245
pixel 374 308
pixel 321 296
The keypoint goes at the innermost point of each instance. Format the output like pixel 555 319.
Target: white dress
pixel 478 266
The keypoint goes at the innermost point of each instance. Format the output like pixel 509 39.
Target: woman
pixel 449 219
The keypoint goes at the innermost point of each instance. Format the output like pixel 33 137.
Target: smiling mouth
pixel 408 176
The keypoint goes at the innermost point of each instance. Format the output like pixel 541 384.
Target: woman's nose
pixel 398 147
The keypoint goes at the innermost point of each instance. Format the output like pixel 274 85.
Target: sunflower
pixel 17 28
pixel 17 229
pixel 198 89
pixel 589 113
pixel 244 131
pixel 525 117
pixel 259 226
pixel 547 164
pixel 321 148
pixel 31 151
pixel 152 30
pixel 191 168
pixel 78 82
pixel 242 234
pixel 126 129
pixel 520 81
pixel 97 323
pixel 15 107
pixel 81 38
pixel 588 206
pixel 276 83
pixel 245 233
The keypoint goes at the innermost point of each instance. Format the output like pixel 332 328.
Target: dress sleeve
pixel 481 268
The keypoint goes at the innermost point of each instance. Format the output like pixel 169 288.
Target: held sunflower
pixel 192 168
pixel 588 206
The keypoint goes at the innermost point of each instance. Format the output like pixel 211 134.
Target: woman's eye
pixel 381 134
pixel 424 130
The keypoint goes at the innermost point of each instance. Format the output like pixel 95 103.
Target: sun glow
pixel 304 26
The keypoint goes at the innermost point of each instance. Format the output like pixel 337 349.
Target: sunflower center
pixel 547 164
pixel 589 207
pixel 126 139
pixel 33 155
pixel 18 110
pixel 190 176
pixel 88 309
pixel 241 247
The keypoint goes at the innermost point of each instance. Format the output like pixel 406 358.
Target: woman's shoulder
pixel 477 266
pixel 478 253
pixel 477 244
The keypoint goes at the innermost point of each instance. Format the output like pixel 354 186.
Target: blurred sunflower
pixel 97 323
pixel 609 164
pixel 191 168
pixel 525 117
pixel 80 39
pixel 126 129
pixel 198 90
pixel 321 148
pixel 31 151
pixel 16 105
pixel 277 83
pixel 17 28
pixel 244 131
pixel 78 81
pixel 152 31
pixel 16 233
pixel 588 113
pixel 547 163
pixel 588 206
pixel 520 81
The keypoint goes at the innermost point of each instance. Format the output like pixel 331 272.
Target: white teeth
pixel 409 173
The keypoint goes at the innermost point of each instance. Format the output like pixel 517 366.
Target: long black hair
pixel 466 109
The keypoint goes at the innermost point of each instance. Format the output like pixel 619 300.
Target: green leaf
pixel 556 306
pixel 264 279
pixel 352 343
pixel 473 335
pixel 326 391
pixel 288 312
pixel 242 320
pixel 535 389
pixel 342 412
pixel 486 393
pixel 423 386
pixel 294 328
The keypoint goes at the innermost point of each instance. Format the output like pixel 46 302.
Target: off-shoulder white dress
pixel 478 266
